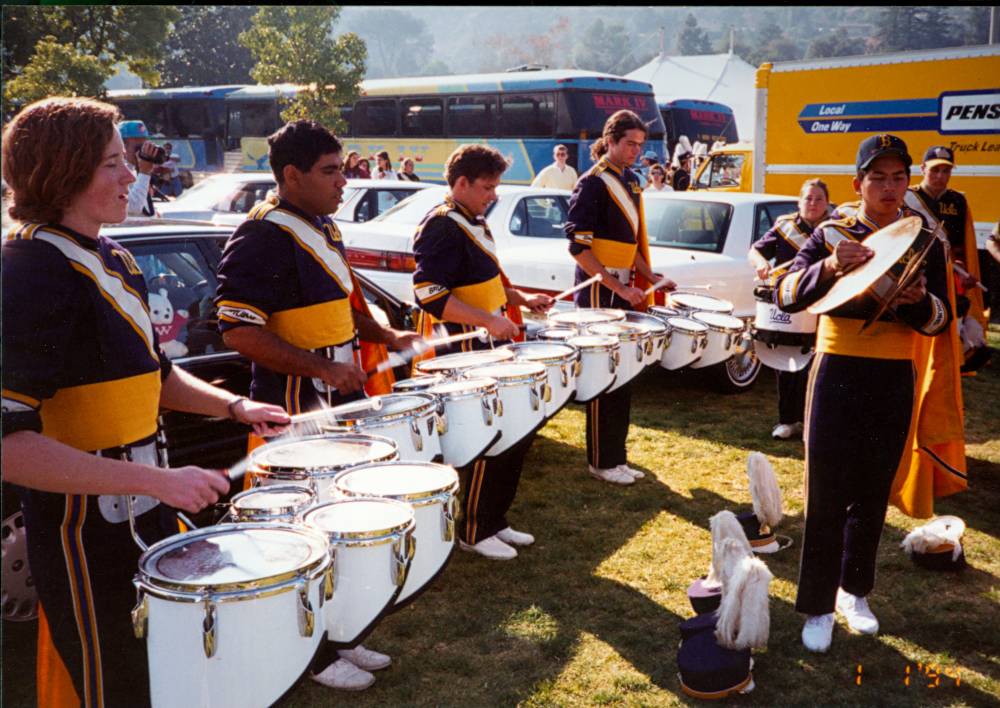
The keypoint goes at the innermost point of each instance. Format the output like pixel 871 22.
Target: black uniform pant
pixel 858 421
pixel 792 395
pixel 488 488
pixel 83 568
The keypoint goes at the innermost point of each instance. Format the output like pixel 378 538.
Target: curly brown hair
pixel 472 162
pixel 615 128
pixel 50 152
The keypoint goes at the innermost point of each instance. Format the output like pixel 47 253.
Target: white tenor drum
pixel 689 303
pixel 659 334
pixel 409 419
pixel 430 489
pixel 584 317
pixel 524 393
pixel 371 542
pixel 232 614
pixel 782 340
pixel 723 338
pixel 557 334
pixel 634 344
pixel 599 359
pixel 688 340
pixel 417 383
pixel 562 363
pixel 471 418
pixel 452 365
pixel 316 459
pixel 278 502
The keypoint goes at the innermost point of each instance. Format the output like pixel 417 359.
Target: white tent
pixel 724 78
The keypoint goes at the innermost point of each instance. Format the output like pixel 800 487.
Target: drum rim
pixel 566 317
pixel 485 385
pixel 630 333
pixel 448 357
pixel 274 489
pixel 682 293
pixel 428 406
pixel 609 346
pixel 308 472
pixel 540 336
pixel 718 327
pixel 442 378
pixel 157 585
pixel 567 358
pixel 415 499
pixel 514 380
pixel 682 330
pixel 372 537
pixel 657 325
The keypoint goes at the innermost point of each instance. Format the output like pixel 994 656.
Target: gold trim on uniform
pixel 789 289
pixel 938 317
pixel 882 340
pixel 325 324
pixel 488 295
pixel 614 254
pixel 233 311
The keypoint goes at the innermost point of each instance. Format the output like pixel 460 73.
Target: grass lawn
pixel 588 616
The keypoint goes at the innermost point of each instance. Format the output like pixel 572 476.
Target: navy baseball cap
pixel 939 155
pixel 878 145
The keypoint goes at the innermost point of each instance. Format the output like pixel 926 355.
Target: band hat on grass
pixel 937 545
pixel 766 496
pixel 938 155
pixel 729 545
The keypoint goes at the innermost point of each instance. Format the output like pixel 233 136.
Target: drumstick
pixel 656 286
pixel 576 288
pixel 425 345
pixel 965 274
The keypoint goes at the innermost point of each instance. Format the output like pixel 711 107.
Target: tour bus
pixel 701 121
pixel 192 119
pixel 523 114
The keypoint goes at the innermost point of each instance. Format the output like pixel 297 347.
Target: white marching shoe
pixel 345 676
pixel 614 475
pixel 636 474
pixel 366 658
pixel 857 613
pixel 818 632
pixel 491 547
pixel 515 538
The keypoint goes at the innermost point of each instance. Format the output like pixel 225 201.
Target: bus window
pixel 375 117
pixel 472 115
pixel 188 119
pixel 422 117
pixel 528 114
pixel 252 120
pixel 590 110
pixel 345 115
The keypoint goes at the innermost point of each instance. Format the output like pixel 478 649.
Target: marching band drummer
pixel 608 236
pixel 289 302
pixel 782 242
pixel 459 282
pixel 83 380
pixel 860 397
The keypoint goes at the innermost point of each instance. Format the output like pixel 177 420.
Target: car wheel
pixel 737 374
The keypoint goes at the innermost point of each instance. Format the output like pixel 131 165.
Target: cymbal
pixel 889 245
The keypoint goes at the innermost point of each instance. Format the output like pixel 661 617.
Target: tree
pixel 204 50
pixel 692 38
pixel 605 48
pixel 398 42
pixel 546 49
pixel 834 44
pixel 905 27
pixel 294 45
pixel 976 25
pixel 56 68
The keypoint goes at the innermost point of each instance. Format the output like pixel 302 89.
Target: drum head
pixel 232 555
pixel 557 334
pixel 648 323
pixel 508 370
pixel 417 383
pixel 542 351
pixel 663 313
pixel 463 386
pixel 405 481
pixel 701 303
pixel 264 498
pixel 578 318
pixel 683 324
pixel 621 330
pixel 585 341
pixel 334 451
pixel 464 360
pixel 379 407
pixel 717 320
pixel 360 518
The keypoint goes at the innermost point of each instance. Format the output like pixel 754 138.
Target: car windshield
pixel 692 225
pixel 414 208
pixel 207 193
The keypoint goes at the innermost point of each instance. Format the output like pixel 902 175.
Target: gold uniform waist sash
pixel 883 340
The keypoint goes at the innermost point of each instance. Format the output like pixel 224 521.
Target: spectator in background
pixel 142 156
pixel 385 170
pixel 169 173
pixel 407 173
pixel 658 180
pixel 364 169
pixel 558 175
pixel 352 170
pixel 682 175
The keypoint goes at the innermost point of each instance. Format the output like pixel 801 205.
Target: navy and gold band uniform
pixel 82 365
pixel 456 257
pixel 286 272
pixel 605 218
pixel 781 243
pixel 859 411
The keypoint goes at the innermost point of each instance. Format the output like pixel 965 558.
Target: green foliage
pixel 203 49
pixel 550 48
pixel 294 45
pixel 834 44
pixel 57 69
pixel 398 42
pixel 905 27
pixel 975 28
pixel 605 48
pixel 692 38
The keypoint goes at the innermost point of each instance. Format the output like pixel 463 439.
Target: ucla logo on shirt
pixel 948 209
pixel 129 260
pixel 636 189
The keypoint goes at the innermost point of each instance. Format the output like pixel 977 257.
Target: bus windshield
pixel 589 110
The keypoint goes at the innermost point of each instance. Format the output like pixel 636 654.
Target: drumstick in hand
pixel 425 345
pixel 576 288
pixel 656 286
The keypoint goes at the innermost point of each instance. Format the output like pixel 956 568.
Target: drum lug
pixel 330 577
pixel 704 341
pixel 307 618
pixel 577 368
pixel 402 554
pixel 614 360
pixel 448 516
pixel 564 375
pixel 535 395
pixel 488 410
pixel 642 350
pixel 442 419
pixel 546 392
pixel 418 441
pixel 140 615
pixel 498 406
pixel 729 341
pixel 208 640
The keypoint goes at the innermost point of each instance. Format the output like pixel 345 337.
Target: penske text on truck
pixel 811 115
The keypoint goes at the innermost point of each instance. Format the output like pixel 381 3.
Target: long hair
pixel 50 153
pixel 614 130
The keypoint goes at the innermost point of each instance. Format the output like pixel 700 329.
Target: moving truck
pixel 811 115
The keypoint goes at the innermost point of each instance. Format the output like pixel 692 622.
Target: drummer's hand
pixel 500 327
pixel 538 303
pixel 633 296
pixel 266 418
pixel 346 378
pixel 967 281
pixel 189 488
pixel 402 341
pixel 848 254
pixel 914 293
pixel 667 283
pixel 763 269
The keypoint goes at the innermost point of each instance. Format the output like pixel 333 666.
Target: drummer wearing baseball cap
pixel 861 392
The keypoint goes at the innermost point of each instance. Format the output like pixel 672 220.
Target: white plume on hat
pixel 729 546
pixel 744 615
pixel 942 530
pixel 764 490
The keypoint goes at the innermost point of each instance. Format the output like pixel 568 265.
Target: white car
pixel 225 199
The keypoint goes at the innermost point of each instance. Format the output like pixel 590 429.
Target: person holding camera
pixel 143 156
